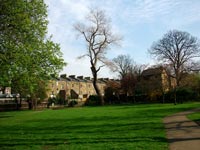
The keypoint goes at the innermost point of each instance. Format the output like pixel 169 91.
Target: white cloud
pixel 186 13
pixel 149 10
pixel 126 16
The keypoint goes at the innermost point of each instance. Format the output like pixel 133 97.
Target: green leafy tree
pixel 27 55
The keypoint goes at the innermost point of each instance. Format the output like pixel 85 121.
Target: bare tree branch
pixel 177 48
pixel 123 64
pixel 97 33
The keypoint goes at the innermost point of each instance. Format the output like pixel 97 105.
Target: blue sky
pixel 140 22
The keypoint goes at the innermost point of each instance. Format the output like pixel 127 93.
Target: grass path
pixel 134 127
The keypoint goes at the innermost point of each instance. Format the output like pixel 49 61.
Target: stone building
pixel 156 78
pixel 57 86
pixel 74 87
pixel 155 82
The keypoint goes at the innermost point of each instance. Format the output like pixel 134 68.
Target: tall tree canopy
pixel 178 49
pixel 123 64
pixel 27 55
pixel 129 72
pixel 97 33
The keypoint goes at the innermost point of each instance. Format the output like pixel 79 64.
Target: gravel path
pixel 182 133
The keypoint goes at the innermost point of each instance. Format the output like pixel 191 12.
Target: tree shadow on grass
pixel 84 128
pixel 5 116
pixel 141 126
pixel 182 139
pixel 59 141
pixel 62 133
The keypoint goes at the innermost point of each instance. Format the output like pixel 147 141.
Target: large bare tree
pixel 97 33
pixel 129 72
pixel 123 65
pixel 178 49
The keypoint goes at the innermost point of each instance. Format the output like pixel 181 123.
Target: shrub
pixel 185 94
pixel 93 100
pixel 182 94
pixel 72 103
pixel 50 101
pixel 60 101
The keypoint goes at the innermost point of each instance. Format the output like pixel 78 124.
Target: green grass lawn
pixel 195 117
pixel 135 127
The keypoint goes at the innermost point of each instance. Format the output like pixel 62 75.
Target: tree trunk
pixel 34 103
pixel 175 97
pixel 163 97
pixel 98 92
pixel 177 85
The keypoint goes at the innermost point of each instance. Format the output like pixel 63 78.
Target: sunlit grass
pixel 110 127
pixel 195 117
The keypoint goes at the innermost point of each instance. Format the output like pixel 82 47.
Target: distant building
pixel 56 86
pixel 74 87
pixel 155 82
pixel 156 78
pixel 6 90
